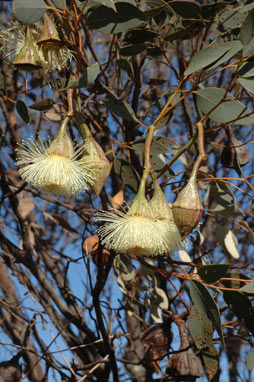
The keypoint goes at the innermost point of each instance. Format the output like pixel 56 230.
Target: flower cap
pixel 171 238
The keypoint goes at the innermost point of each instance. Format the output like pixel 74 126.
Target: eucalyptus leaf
pixel 202 298
pixel 106 20
pixel 59 3
pixel 121 108
pixel 247 30
pixel 22 110
pixel 214 54
pixel 201 328
pixel 212 273
pixel 247 84
pixel 124 267
pixel 126 173
pixel 250 360
pixel 225 109
pixel 29 11
pixel 248 288
pixel 210 359
pixel 186 9
pixel 87 78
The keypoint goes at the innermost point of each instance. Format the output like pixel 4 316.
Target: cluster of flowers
pixel 32 48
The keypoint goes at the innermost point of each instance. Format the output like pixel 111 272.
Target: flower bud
pixel 99 163
pixel 28 58
pixel 187 208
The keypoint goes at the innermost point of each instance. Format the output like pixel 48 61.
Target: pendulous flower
pixel 54 166
pixel 12 40
pixel 136 232
pixel 100 165
pixel 165 221
pixel 54 53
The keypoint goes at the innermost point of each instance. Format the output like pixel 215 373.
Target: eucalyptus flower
pixel 12 39
pixel 136 231
pixel 54 166
pixel 165 222
pixel 54 53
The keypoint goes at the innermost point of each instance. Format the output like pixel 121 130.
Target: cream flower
pixel 12 40
pixel 54 53
pixel 165 222
pixel 55 167
pixel 136 232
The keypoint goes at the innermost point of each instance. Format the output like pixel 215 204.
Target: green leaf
pixel 247 84
pixel 186 9
pixel 108 21
pixel 124 267
pixel 205 57
pixel 126 173
pixel 248 288
pixel 201 328
pixel 235 45
pixel 210 359
pixel 246 69
pixel 234 283
pixel 160 145
pixel 202 298
pixel 227 111
pixel 59 3
pixel 210 10
pixel 250 360
pixel 87 78
pixel 22 111
pixel 42 104
pixel 226 204
pixel 233 18
pixel 133 49
pixel 247 30
pixel 140 35
pixel 212 273
pixel 29 11
pixel 240 304
pixel 107 3
pixel 121 108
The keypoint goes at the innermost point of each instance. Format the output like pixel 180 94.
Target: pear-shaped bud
pixel 28 58
pixel 94 154
pixel 187 208
pixel 99 163
pixel 164 220
pixel 49 33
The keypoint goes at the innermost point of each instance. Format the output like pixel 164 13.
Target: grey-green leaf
pixel 59 3
pixel 107 20
pixel 87 78
pixel 29 11
pixel 250 360
pixel 201 328
pixel 202 298
pixel 126 173
pixel 121 108
pixel 22 110
pixel 212 273
pixel 248 288
pixel 226 109
pixel 215 54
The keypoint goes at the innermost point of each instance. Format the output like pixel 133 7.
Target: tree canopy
pixel 126 237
